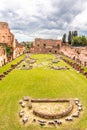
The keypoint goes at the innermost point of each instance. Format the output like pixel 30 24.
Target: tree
pixel 70 37
pixel 75 33
pixel 64 38
pixel 84 40
pixel 28 45
pixel 79 41
pixel 75 41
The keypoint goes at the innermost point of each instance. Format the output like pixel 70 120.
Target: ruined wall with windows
pixel 8 39
pixel 5 35
pixel 46 46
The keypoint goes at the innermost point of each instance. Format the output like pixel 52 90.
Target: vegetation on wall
pixel 8 50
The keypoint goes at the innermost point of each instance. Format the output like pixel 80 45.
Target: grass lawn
pixel 41 82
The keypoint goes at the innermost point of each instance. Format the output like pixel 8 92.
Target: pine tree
pixel 64 38
pixel 70 37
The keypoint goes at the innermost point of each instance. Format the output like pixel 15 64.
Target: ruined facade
pixel 5 35
pixel 18 50
pixel 46 46
pixel 7 39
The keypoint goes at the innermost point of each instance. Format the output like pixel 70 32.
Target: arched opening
pixel 44 45
pixel 58 46
pixel 38 45
pixel 55 51
pixel 49 51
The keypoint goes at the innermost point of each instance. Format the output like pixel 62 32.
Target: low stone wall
pixel 59 68
pixel 53 116
pixel 50 100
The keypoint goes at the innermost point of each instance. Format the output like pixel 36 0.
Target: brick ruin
pixel 79 54
pixel 8 39
pixel 18 49
pixel 3 57
pixel 46 46
pixel 5 35
pixel 32 111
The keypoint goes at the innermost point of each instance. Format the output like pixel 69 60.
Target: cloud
pixel 46 19
pixel 80 21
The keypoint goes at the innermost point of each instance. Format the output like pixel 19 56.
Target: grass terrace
pixel 40 82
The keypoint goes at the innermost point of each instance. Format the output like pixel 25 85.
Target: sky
pixel 30 19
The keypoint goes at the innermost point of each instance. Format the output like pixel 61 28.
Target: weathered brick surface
pixel 8 39
pixel 79 54
pixel 5 35
pixel 3 57
pixel 46 46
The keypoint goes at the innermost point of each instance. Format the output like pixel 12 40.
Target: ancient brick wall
pixel 18 50
pixel 5 35
pixel 46 45
pixel 79 54
pixel 8 39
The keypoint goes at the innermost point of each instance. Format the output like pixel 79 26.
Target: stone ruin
pixel 32 61
pixel 51 119
pixel 26 67
pixel 54 116
pixel 76 66
pixel 59 68
pixel 55 61
pixel 26 64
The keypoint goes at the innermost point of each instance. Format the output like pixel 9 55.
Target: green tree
pixel 70 37
pixel 75 33
pixel 64 38
pixel 79 41
pixel 28 45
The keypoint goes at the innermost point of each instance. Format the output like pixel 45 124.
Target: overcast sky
pixel 29 19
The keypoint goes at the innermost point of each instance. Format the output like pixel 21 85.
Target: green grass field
pixel 41 82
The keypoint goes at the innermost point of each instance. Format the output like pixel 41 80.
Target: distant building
pixel 46 46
